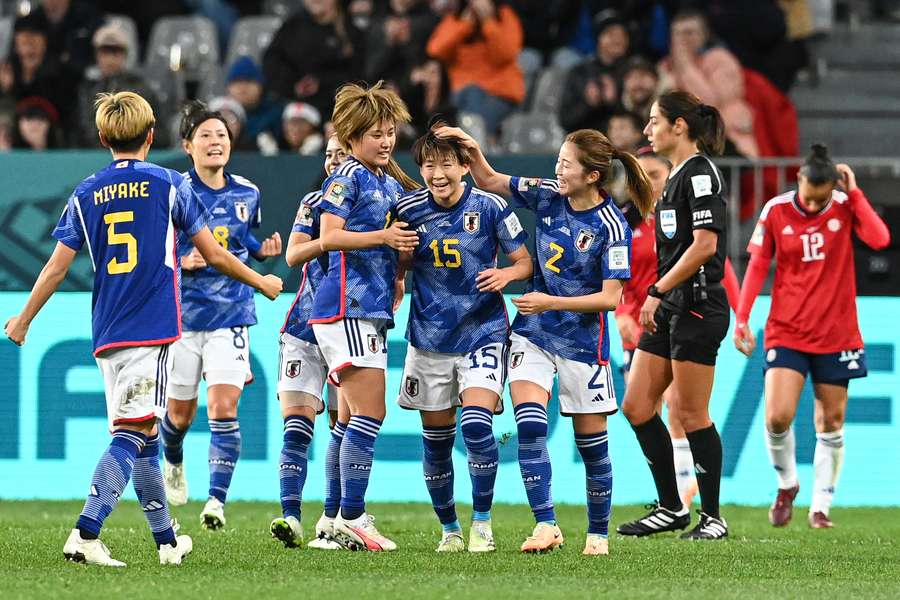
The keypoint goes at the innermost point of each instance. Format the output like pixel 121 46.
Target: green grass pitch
pixel 860 558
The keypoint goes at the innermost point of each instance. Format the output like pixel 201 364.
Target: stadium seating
pixel 188 44
pixel 6 24
pixel 212 84
pixel 129 28
pixel 282 8
pixel 531 133
pixel 473 124
pixel 548 89
pixel 251 36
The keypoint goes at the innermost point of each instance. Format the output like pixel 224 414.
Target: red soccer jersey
pixel 643 270
pixel 814 294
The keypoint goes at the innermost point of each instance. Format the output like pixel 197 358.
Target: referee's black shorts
pixel 692 335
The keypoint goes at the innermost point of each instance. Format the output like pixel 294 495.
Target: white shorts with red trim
pixel 436 380
pixel 583 388
pixel 220 356
pixel 352 342
pixel 135 382
pixel 301 369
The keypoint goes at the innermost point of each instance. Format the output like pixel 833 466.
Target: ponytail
pixel 638 183
pixel 408 183
pixel 704 123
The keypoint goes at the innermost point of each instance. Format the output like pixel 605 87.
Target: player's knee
pixel 778 421
pixel 182 419
pixel 222 407
pixel 693 419
pixel 831 420
pixel 635 411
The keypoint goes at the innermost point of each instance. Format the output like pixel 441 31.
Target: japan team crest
pixel 292 368
pixel 584 240
pixel 372 343
pixel 471 221
pixel 411 386
pixel 242 211
pixel 515 359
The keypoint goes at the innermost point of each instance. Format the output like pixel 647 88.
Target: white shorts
pixel 220 356
pixel 352 342
pixel 436 380
pixel 135 382
pixel 583 388
pixel 301 368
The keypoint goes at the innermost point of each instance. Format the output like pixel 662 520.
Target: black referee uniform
pixel 692 319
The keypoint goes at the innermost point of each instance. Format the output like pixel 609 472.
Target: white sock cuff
pixel 834 439
pixel 780 436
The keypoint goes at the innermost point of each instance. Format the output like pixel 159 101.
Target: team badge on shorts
pixel 292 368
pixel 372 343
pixel 411 386
pixel 584 240
pixel 471 221
pixel 515 359
pixel 242 211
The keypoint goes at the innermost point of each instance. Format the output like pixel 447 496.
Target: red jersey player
pixel 643 273
pixel 808 233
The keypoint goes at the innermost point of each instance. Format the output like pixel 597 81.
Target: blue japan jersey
pixel 358 283
pixel 448 313
pixel 307 221
pixel 575 252
pixel 126 215
pixel 210 299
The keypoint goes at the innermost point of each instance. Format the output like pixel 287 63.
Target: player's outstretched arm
pixel 334 237
pixel 227 264
pixel 521 269
pixel 534 303
pixel 302 249
pixel 483 173
pixel 49 279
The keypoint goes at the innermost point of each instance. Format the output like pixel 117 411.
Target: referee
pixel 685 316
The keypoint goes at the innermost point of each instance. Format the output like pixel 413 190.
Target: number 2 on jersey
pixel 451 259
pixel 551 262
pixel 115 238
pixel 812 245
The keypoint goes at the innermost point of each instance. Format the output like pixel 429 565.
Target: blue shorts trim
pixel 836 368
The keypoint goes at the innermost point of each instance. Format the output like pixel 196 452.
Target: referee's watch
pixel 655 293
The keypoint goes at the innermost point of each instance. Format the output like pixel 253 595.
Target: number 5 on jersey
pixel 115 238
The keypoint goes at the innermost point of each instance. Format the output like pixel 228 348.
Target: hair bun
pixel 820 151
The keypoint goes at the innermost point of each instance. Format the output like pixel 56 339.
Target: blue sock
pixel 333 470
pixel 534 460
pixel 224 450
pixel 477 429
pixel 147 479
pixel 109 481
pixel 298 432
pixel 357 453
pixel 173 440
pixel 437 464
pixel 594 450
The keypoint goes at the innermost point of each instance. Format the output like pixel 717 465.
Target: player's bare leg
pixel 363 388
pixel 693 384
pixel 591 441
pixel 530 404
pixel 649 377
pixel 783 388
pixel 224 450
pixel 476 426
pixel 830 412
pixel 180 415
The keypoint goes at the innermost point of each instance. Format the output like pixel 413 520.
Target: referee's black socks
pixel 657 447
pixel 706 447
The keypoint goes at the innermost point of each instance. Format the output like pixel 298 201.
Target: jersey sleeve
pixel 256 219
pixel 509 230
pixel 705 191
pixel 339 194
pixel 762 242
pixel 188 212
pixel 69 230
pixel 617 255
pixel 528 192
pixel 253 245
pixel 305 221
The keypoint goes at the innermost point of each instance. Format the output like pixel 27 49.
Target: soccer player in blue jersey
pixel 218 312
pixel 353 306
pixel 583 248
pixel 458 328
pixel 301 377
pixel 127 215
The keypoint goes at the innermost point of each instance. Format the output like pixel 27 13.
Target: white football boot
pixel 324 539
pixel 360 534
pixel 288 531
pixel 174 555
pixel 89 552
pixel 213 515
pixel 176 483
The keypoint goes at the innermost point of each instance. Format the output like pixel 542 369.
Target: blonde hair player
pixel 126 215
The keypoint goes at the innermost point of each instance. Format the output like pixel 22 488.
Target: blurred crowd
pixel 480 58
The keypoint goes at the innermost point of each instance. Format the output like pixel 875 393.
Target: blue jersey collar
pixel 195 180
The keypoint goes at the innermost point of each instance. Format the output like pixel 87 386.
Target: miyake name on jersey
pixel 122 191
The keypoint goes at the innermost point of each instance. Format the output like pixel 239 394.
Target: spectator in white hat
pixel 300 124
